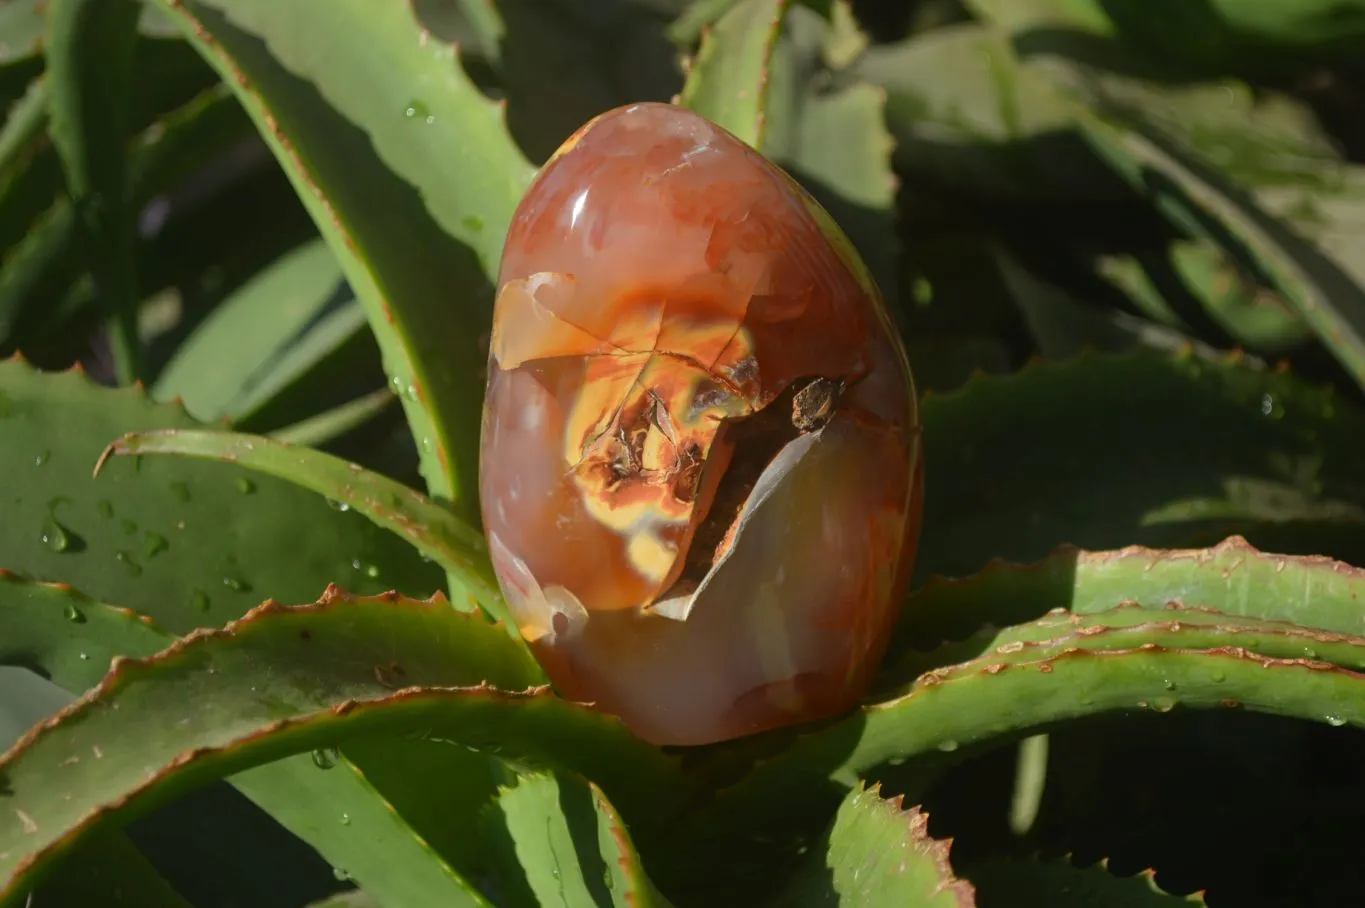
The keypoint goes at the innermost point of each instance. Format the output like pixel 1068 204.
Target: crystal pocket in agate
pixel 700 467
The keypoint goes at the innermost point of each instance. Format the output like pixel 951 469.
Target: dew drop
pixel 947 746
pixel 180 491
pixel 337 505
pixel 1168 684
pixel 345 819
pixel 85 657
pixel 55 536
pixel 235 584
pixel 369 570
pixel 132 567
pixel 340 874
pixel 1163 704
pixel 74 615
pixel 154 544
pixel 607 879
pixel 1309 653
pixel 473 222
pixel 326 758
pixel 245 486
pixel 41 458
pixel 417 110
pixel 1335 721
pixel 200 599
pixel 106 508
pixel 1217 677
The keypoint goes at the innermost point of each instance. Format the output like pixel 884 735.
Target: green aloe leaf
pixel 1242 451
pixel 368 114
pixel 89 52
pixel 108 867
pixel 284 681
pixel 377 814
pixel 1232 577
pixel 245 350
pixel 1022 883
pixel 560 841
pixel 878 853
pixel 432 529
pixel 998 697
pixel 190 544
pixel 330 425
pixel 728 80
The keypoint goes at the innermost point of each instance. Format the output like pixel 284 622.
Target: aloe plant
pixel 252 647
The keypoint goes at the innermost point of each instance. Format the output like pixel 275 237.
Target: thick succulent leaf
pixel 998 697
pixel 1232 577
pixel 190 544
pixel 968 116
pixel 878 853
pixel 560 842
pixel 1242 450
pixel 1250 172
pixel 89 54
pixel 368 114
pixel 1058 883
pixel 218 370
pixel 284 681
pixel 432 529
pixel 367 814
pixel 728 80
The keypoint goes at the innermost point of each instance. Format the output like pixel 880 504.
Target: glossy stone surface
pixel 700 461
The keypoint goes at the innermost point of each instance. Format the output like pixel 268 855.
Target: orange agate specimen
pixel 700 463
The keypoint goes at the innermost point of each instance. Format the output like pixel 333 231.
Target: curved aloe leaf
pixel 430 528
pixel 330 425
pixel 89 51
pixel 1001 696
pixel 284 681
pixel 1233 577
pixel 1242 451
pixel 369 115
pixel 560 841
pixel 879 853
pixel 1060 884
pixel 187 543
pixel 367 816
pixel 728 81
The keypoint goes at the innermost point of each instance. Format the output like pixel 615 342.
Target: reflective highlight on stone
pixel 700 466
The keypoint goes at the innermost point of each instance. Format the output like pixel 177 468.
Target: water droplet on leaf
pixel 337 505
pixel 236 584
pixel 245 486
pixel 74 615
pixel 947 746
pixel 41 458
pixel 200 600
pixel 326 758
pixel 1335 721
pixel 106 508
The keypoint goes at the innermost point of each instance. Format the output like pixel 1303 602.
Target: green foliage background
pixel 247 256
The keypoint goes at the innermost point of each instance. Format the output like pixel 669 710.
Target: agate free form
pixel 700 462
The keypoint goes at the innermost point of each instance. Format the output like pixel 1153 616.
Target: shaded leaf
pixel 190 544
pixel 1240 451
pixel 878 852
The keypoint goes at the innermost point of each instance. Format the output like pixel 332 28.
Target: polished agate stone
pixel 700 462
